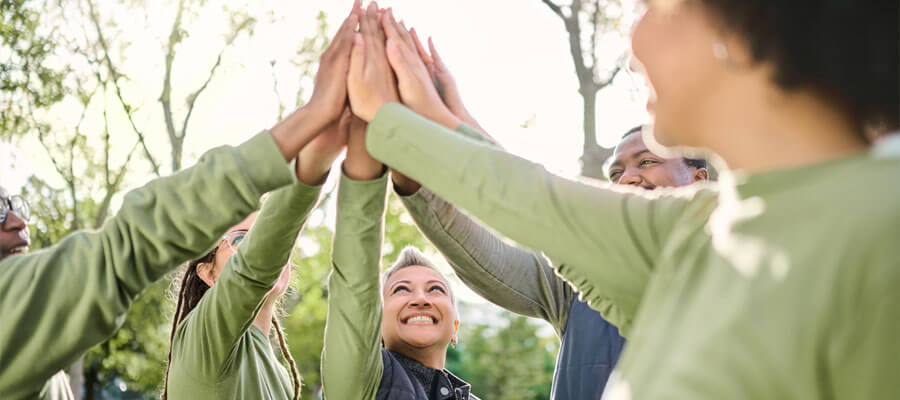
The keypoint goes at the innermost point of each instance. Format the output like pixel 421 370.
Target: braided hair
pixel 191 290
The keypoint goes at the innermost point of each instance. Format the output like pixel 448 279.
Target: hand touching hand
pixel 329 96
pixel 330 92
pixel 414 81
pixel 316 158
pixel 370 83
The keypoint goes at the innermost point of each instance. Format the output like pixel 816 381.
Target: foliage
pixel 27 76
pixel 509 362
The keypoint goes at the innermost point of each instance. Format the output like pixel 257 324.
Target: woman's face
pixel 209 273
pixel 673 42
pixel 418 310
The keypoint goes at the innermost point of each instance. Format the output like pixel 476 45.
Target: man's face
pixel 633 164
pixel 14 237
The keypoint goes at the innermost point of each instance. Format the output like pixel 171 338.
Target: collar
pixel 439 384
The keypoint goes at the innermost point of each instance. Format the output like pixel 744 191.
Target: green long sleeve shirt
pixel 217 351
pixel 782 286
pixel 351 355
pixel 58 302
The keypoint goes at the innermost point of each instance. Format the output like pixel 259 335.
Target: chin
pixel 421 341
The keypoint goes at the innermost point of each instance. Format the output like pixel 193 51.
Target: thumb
pixel 357 56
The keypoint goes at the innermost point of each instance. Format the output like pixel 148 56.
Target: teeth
pixel 420 318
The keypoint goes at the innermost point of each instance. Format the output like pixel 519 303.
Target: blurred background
pixel 99 96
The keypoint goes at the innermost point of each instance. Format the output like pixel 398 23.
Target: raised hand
pixel 370 83
pixel 329 95
pixel 414 81
pixel 316 158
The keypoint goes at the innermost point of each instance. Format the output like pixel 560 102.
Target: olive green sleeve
pixel 516 279
pixel 229 307
pixel 58 302
pixel 351 356
pixel 605 239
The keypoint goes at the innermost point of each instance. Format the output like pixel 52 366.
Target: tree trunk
pixel 592 155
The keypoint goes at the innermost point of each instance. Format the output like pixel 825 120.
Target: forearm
pixel 81 287
pixel 351 359
pixel 606 240
pixel 297 130
pixel 230 306
pixel 518 280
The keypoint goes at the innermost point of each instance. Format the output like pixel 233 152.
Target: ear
pixel 205 272
pixel 701 174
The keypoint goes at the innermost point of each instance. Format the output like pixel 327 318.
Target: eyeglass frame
pixel 7 205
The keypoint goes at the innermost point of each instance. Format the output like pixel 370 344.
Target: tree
pixel 505 362
pixel 587 22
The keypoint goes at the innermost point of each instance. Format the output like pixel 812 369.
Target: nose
pixel 13 222
pixel 630 178
pixel 420 301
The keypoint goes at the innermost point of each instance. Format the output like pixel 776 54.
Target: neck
pixel 263 319
pixel 434 357
pixel 765 128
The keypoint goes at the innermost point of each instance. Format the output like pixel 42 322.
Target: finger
pixel 406 36
pixel 421 49
pixel 343 39
pixel 390 30
pixel 357 56
pixel 438 61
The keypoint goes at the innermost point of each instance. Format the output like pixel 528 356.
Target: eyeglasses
pixel 234 238
pixel 16 204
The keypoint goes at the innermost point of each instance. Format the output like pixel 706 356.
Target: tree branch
pixel 114 75
pixel 166 97
pixel 556 8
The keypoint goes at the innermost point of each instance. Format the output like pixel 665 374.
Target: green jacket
pixel 778 286
pixel 58 302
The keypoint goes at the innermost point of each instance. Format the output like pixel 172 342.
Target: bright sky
pixel 510 59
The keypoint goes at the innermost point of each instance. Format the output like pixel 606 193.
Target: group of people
pixel 776 282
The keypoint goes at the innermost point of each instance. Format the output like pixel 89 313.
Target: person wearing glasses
pixel 226 307
pixel 58 302
pixel 780 281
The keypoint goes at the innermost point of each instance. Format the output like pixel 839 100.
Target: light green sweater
pixel 58 302
pixel 217 351
pixel 781 287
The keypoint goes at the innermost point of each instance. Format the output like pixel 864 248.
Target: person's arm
pixel 58 302
pixel 518 280
pixel 606 239
pixel 351 356
pixel 230 306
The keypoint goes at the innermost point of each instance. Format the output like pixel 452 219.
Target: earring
pixel 720 51
pixel 453 343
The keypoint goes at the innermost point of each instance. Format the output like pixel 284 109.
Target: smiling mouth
pixel 17 250
pixel 420 320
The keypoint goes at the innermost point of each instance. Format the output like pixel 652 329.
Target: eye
pixel 236 240
pixel 438 288
pixel 648 161
pixel 399 289
pixel 614 176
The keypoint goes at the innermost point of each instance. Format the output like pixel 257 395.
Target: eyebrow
pixel 618 163
pixel 399 282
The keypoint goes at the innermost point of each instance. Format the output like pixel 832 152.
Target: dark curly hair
pixel 846 50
